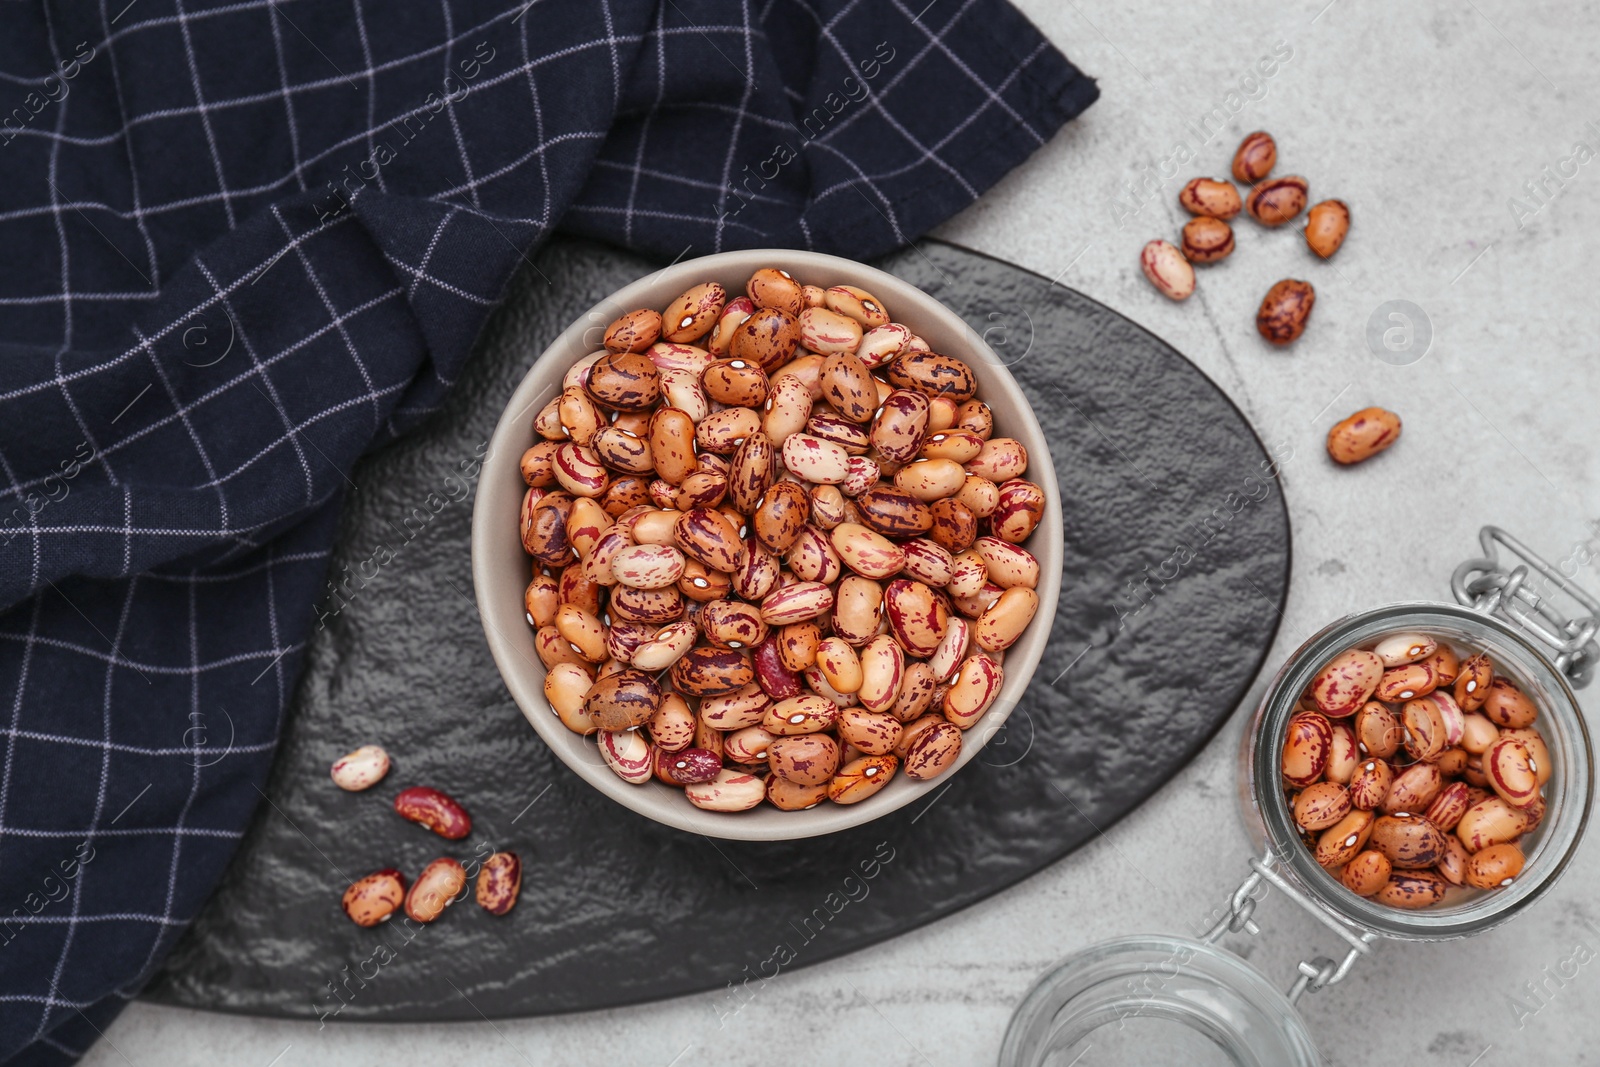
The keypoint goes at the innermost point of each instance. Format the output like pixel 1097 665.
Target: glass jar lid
pixel 1154 998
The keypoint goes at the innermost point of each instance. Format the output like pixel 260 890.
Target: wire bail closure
pixel 1484 585
pixel 1316 974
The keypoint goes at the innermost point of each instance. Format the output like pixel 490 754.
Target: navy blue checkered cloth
pixel 242 243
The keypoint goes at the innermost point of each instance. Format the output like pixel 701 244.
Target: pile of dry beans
pixel 1410 769
pixel 777 548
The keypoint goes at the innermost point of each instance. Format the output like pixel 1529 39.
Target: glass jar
pixel 1169 999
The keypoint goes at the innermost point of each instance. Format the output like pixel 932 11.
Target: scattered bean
pixel 1282 317
pixel 1255 157
pixel 371 900
pixel 1326 226
pixel 435 810
pixel 1362 436
pixel 1168 270
pixel 361 769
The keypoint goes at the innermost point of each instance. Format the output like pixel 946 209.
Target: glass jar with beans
pixel 1416 772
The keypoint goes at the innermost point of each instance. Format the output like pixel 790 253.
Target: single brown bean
pixel 1320 805
pixel 435 889
pixel 1307 741
pixel 692 315
pixel 1167 269
pixel 370 900
pixel 861 778
pixel 1207 240
pixel 1341 842
pixel 1277 200
pixel 1490 822
pixel 1472 683
pixel 624 381
pixel 1345 684
pixel 1327 224
pixel 1414 789
pixel 1362 436
pixel 1493 867
pixel 705 672
pixel 1370 785
pixel 773 288
pixel 1255 157
pixel 1507 706
pixel 807 759
pixel 1413 890
pixel 767 338
pixel 1285 310
pixel 623 700
pixel 932 751
pixel 633 332
pixel 933 374
pixel 1511 772
pixel 435 810
pixel 1209 198
pixel 1405 683
pixel 1410 841
pixel 1367 873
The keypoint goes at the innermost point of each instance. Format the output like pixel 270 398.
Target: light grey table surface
pixel 1429 119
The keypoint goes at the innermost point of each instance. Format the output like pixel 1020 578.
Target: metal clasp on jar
pixel 1484 585
pixel 1315 974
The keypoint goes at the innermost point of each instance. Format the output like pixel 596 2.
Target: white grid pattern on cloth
pixel 184 185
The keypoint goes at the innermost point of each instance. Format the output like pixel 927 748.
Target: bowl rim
pixel 503 614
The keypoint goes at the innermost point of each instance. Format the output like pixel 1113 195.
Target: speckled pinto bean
pixel 1284 311
pixel 1210 198
pixel 436 888
pixel 780 546
pixel 1363 435
pixel 1446 781
pixel 1305 748
pixel 1344 685
pixel 374 898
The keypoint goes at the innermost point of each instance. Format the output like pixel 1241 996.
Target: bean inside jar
pixel 778 549
pixel 1414 771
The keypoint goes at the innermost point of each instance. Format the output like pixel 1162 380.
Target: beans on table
pixel 777 547
pixel 1411 768
pixel 1272 202
pixel 375 898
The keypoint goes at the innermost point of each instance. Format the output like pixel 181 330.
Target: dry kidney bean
pixel 435 889
pixel 1255 157
pixel 499 882
pixel 745 516
pixel 1210 198
pixel 1363 435
pixel 1207 240
pixel 1326 226
pixel 1164 264
pixel 1466 788
pixel 435 810
pixel 1284 311
pixel 361 769
pixel 1275 202
pixel 371 900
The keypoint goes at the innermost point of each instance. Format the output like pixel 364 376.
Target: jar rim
pixel 1191 983
pixel 1561 721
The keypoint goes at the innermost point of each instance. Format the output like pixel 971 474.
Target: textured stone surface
pixel 1154 466
pixel 1426 118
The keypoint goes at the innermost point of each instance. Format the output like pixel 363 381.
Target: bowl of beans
pixel 767 545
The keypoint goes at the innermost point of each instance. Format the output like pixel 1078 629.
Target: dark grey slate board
pixel 616 909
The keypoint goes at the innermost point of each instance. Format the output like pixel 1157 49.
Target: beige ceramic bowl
pixel 501 569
